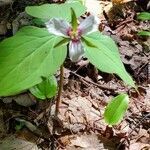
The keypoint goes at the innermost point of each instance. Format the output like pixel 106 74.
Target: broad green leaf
pixel 116 109
pixel 81 1
pixel 48 11
pixel 39 22
pixel 28 56
pixel 105 55
pixel 144 16
pixel 144 33
pixel 46 89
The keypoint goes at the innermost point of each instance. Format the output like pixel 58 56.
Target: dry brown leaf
pixel 22 99
pixel 2 125
pixel 3 27
pixel 139 146
pixel 87 142
pixel 11 143
pixel 82 110
pixel 5 2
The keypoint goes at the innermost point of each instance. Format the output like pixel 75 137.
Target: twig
pixel 146 116
pixel 133 129
pixel 58 99
pixel 124 23
pixel 98 85
pixel 141 68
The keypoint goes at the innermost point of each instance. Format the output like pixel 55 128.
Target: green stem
pixel 58 99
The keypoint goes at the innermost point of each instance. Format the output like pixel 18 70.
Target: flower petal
pixel 76 51
pixel 90 24
pixel 58 27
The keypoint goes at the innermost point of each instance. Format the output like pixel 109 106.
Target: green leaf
pixel 74 22
pixel 64 41
pixel 28 56
pixel 105 56
pixel 48 11
pixel 144 16
pixel 144 33
pixel 81 1
pixel 46 89
pixel 116 109
pixel 19 126
pixel 39 22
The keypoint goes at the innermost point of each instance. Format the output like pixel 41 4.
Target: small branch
pixel 124 22
pixel 58 99
pixel 91 82
pixel 129 134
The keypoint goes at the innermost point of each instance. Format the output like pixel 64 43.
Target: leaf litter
pixel 81 124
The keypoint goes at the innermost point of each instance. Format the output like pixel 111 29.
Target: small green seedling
pixel 116 109
pixel 19 126
pixel 46 89
pixel 144 16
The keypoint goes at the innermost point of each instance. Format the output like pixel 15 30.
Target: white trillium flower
pixel 62 28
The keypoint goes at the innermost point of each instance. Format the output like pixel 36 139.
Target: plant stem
pixel 58 99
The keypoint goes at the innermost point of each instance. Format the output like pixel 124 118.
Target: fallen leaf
pixel 2 125
pixel 11 143
pixel 22 99
pixel 82 111
pixel 3 27
pixel 139 146
pixel 5 2
pixel 87 142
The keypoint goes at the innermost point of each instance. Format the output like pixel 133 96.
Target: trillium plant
pixel 30 58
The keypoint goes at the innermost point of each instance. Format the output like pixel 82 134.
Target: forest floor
pixel 86 91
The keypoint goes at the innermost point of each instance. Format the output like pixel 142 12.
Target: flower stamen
pixel 75 36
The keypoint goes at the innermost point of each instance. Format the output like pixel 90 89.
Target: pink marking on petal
pixel 75 36
pixel 79 32
pixel 69 31
pixel 75 40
